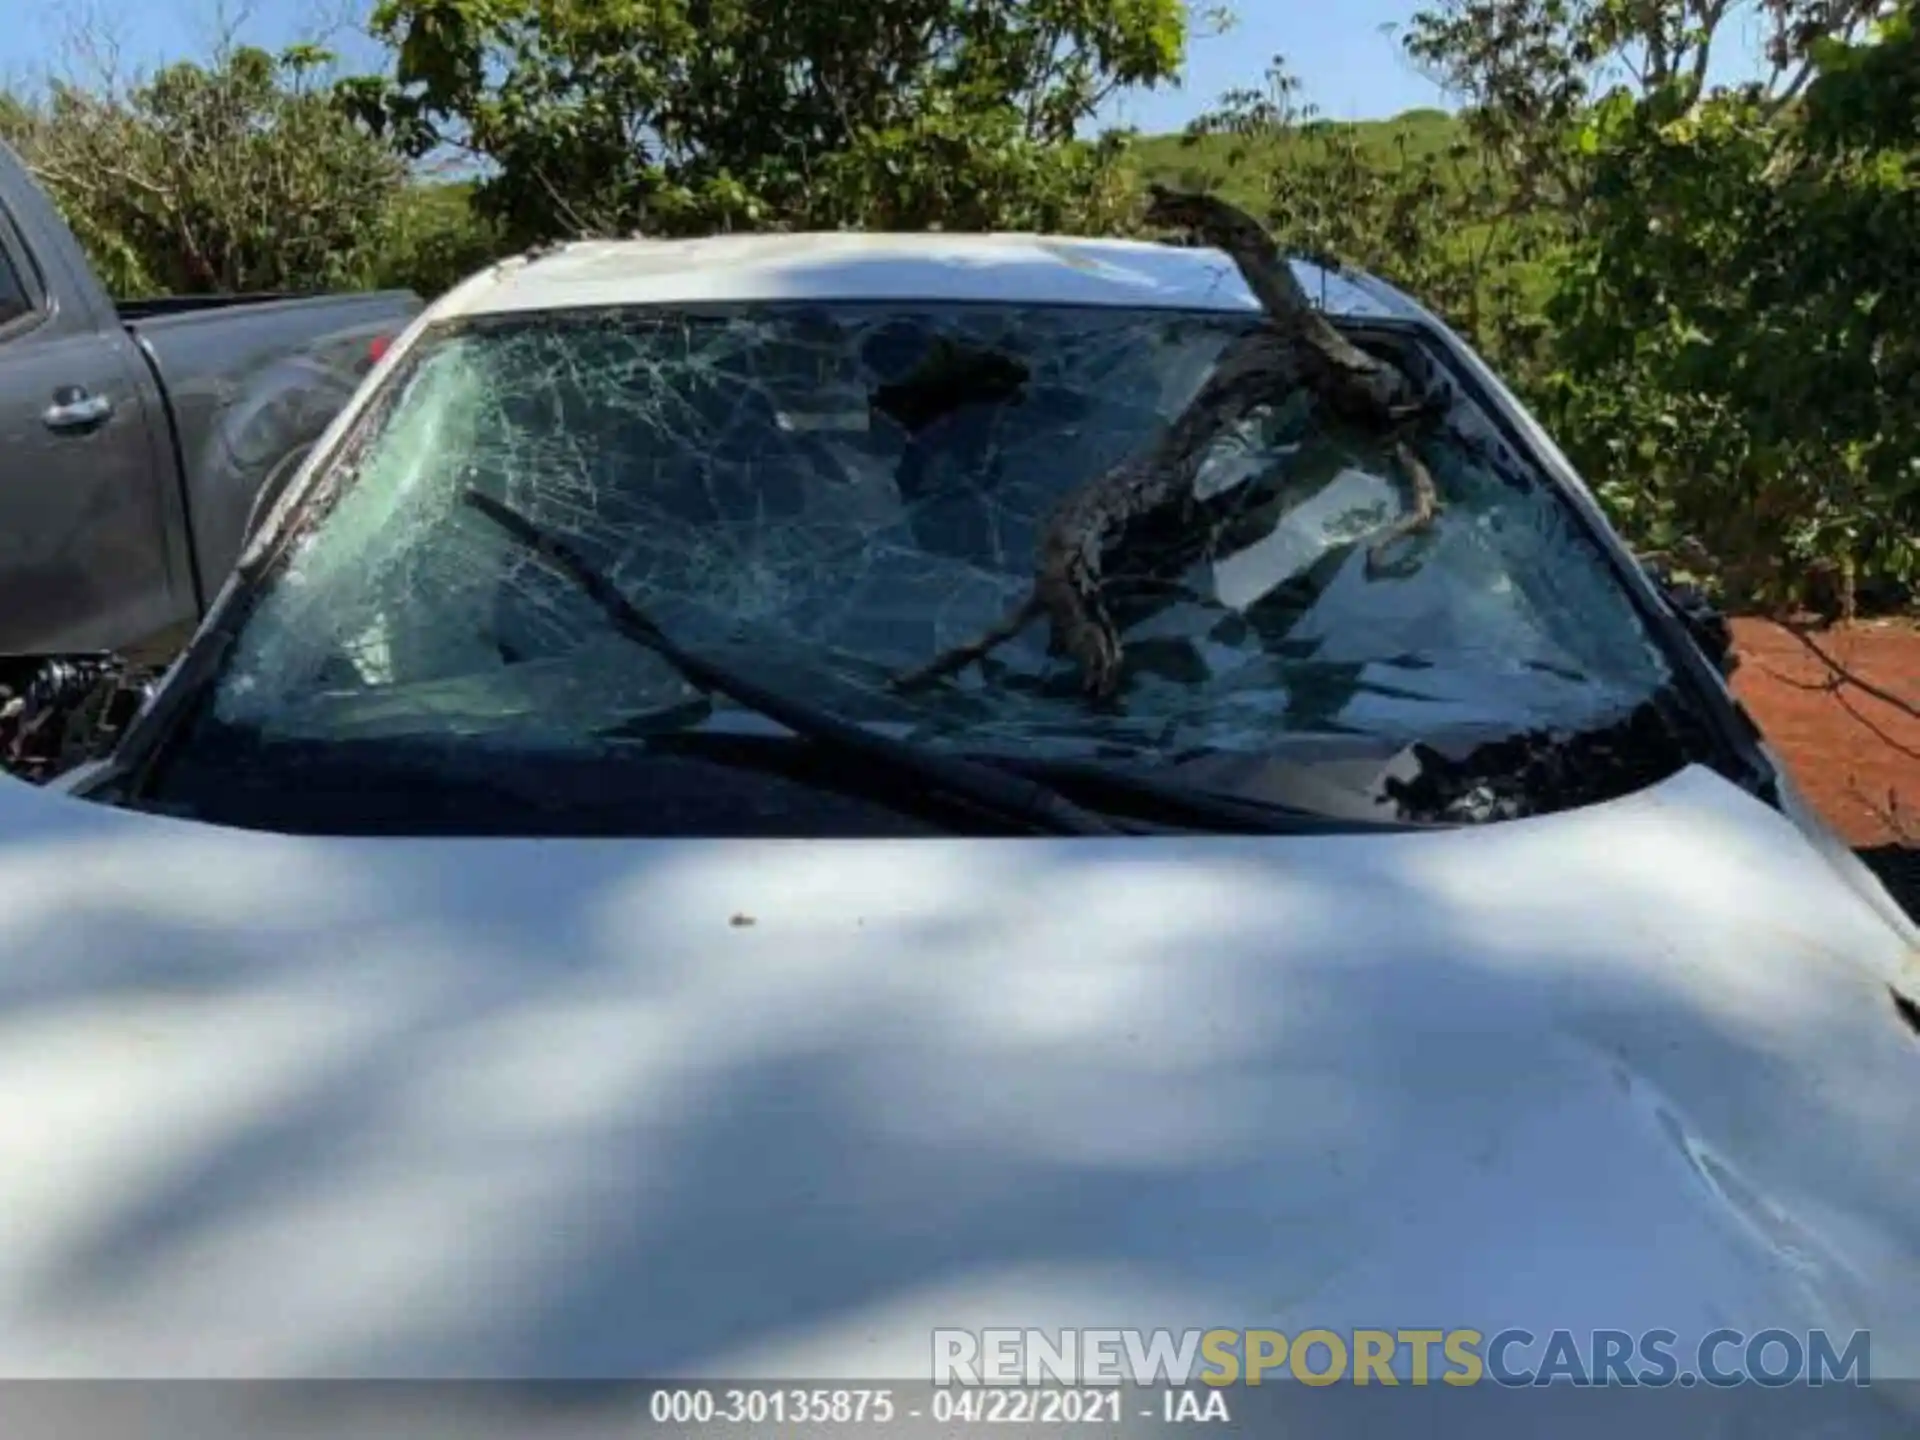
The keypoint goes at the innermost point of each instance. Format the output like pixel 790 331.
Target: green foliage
pixel 433 239
pixel 1731 356
pixel 686 116
pixel 1738 331
pixel 1237 164
pixel 235 176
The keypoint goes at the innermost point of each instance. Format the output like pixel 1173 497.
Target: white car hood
pixel 276 1106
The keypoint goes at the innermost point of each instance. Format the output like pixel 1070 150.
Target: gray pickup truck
pixel 138 442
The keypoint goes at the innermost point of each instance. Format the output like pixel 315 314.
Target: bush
pixel 242 175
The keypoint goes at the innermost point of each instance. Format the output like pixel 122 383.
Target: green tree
pixel 688 116
pixel 1740 336
pixel 241 174
pixel 1726 323
pixel 433 238
pixel 1527 71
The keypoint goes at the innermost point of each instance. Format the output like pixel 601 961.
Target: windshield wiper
pixel 1008 797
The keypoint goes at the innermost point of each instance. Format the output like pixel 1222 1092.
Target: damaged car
pixel 759 796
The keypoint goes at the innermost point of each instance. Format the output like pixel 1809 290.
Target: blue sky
pixel 1352 66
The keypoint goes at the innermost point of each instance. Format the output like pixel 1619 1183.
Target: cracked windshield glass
pixel 824 497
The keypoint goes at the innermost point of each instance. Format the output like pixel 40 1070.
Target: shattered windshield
pixel 827 496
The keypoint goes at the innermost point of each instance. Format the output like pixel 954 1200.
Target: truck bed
pixel 157 306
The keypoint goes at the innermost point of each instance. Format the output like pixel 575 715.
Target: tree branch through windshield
pixel 1149 499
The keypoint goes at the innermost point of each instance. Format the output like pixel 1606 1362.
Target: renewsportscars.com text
pixel 1723 1358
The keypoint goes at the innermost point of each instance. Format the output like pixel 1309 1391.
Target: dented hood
pixel 310 1107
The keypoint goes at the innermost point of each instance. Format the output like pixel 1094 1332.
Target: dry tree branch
pixel 1846 704
pixel 1151 495
pixel 1892 815
pixel 1841 675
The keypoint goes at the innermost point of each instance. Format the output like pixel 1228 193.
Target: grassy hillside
pixel 1205 164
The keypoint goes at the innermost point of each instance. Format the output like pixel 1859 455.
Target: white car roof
pixel 845 265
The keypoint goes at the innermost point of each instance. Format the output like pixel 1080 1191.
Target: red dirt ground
pixel 1847 748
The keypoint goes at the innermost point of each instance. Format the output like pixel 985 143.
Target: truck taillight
pixel 377 348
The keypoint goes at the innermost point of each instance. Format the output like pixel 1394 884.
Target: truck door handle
pixel 74 409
